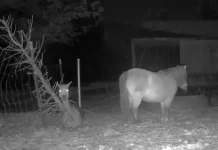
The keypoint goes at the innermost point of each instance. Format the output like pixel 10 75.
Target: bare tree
pixel 29 57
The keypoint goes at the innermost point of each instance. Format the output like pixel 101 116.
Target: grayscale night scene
pixel 108 75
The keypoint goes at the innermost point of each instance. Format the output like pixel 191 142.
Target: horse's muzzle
pixel 185 90
pixel 184 87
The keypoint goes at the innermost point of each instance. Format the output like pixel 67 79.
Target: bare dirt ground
pixel 192 125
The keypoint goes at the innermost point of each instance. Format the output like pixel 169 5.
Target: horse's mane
pixel 175 71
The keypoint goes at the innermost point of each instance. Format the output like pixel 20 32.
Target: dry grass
pixel 104 131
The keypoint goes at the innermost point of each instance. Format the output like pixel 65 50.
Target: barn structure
pixel 199 53
pixel 156 47
pixel 134 36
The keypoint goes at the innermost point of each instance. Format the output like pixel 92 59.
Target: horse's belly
pixel 159 93
pixel 153 95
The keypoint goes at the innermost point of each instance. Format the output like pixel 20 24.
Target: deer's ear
pixel 69 83
pixel 57 84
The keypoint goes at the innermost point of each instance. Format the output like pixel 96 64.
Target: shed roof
pixel 204 28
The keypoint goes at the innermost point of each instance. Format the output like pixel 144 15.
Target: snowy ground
pixel 191 126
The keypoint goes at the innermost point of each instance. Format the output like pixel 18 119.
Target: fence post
pixel 133 53
pixel 78 80
pixel 61 71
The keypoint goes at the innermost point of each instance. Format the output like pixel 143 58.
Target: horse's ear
pixel 184 67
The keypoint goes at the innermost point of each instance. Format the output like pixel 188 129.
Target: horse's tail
pixel 124 101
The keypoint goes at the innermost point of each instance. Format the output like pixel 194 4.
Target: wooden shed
pixel 200 55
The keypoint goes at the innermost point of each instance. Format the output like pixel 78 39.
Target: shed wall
pixel 201 56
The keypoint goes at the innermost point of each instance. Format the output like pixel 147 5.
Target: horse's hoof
pixel 138 121
pixel 162 120
pixel 165 119
pixel 133 122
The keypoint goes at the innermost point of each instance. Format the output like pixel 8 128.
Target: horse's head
pixel 181 74
pixel 184 86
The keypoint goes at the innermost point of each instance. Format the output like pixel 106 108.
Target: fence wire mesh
pixel 16 86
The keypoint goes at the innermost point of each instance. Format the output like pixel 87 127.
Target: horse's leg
pixel 135 104
pixel 126 105
pixel 162 104
pixel 125 109
pixel 165 108
pixel 167 104
pixel 135 115
pixel 128 112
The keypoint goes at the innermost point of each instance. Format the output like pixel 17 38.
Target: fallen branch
pixel 28 56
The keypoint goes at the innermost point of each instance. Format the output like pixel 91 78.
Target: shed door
pixel 160 55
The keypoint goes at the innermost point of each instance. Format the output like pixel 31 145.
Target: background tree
pixel 62 21
pixel 207 12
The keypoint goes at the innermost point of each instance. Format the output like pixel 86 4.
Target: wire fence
pixel 16 87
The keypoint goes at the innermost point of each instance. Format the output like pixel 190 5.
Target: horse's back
pixel 138 75
pixel 138 79
pixel 142 76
